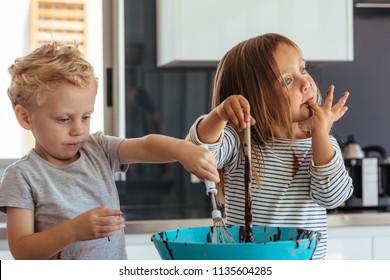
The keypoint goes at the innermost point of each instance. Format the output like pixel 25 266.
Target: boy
pixel 61 199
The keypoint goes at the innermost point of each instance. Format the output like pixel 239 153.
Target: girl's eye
pixel 306 68
pixel 288 81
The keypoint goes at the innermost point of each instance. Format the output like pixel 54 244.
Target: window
pixel 15 25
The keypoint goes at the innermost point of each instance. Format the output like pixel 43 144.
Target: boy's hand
pixel 197 160
pixel 236 111
pixel 97 223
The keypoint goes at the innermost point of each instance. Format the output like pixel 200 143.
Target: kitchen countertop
pixel 359 219
pixel 152 226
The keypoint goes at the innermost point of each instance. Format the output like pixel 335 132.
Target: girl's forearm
pixel 209 129
pixel 323 150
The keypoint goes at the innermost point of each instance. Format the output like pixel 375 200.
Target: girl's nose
pixel 306 86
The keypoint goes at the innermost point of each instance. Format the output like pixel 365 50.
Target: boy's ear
pixel 22 116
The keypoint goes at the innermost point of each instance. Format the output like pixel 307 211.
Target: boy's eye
pixel 63 120
pixel 304 71
pixel 85 118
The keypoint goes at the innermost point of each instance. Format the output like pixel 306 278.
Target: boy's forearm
pixel 42 245
pixel 161 149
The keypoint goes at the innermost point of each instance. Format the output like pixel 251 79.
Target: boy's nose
pixel 76 130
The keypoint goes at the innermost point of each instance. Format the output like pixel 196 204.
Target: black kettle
pixel 368 150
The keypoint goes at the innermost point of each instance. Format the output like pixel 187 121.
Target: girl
pixel 297 166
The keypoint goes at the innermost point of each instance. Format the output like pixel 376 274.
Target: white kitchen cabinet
pixel 140 247
pixel 381 248
pixel 349 249
pixel 199 33
pixel 5 253
pixel 359 243
pixel 350 243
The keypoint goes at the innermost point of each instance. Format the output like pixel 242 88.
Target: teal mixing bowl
pixel 270 243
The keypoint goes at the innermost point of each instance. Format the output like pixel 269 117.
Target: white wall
pixel 14 30
pixel 15 43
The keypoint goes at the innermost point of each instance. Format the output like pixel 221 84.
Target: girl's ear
pixel 22 116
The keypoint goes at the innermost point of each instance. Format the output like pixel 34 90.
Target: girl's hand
pixel 197 160
pixel 97 223
pixel 323 118
pixel 236 111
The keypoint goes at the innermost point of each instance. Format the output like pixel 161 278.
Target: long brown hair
pixel 250 69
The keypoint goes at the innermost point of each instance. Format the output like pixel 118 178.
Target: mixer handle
pixel 210 185
pixel 210 188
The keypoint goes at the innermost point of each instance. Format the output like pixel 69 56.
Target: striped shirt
pixel 293 192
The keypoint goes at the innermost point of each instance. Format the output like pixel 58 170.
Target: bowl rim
pixel 156 237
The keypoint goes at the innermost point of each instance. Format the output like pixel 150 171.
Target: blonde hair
pixel 47 68
pixel 250 69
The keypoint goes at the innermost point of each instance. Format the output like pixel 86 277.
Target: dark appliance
pixel 369 168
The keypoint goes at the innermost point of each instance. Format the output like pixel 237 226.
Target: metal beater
pixel 220 232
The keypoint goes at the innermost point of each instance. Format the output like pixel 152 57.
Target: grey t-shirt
pixel 59 193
